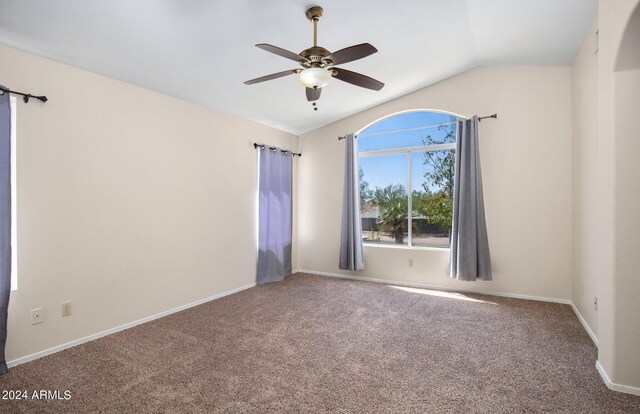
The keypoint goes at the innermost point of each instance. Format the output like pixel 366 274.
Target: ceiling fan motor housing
pixel 316 56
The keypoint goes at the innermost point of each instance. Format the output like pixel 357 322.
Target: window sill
pixel 405 247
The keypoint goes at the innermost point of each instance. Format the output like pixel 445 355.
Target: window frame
pixel 409 152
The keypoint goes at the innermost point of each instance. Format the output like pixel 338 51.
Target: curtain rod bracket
pixel 494 116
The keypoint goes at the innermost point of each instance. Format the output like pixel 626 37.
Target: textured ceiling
pixel 202 50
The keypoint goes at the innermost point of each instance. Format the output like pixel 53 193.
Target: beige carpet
pixel 313 344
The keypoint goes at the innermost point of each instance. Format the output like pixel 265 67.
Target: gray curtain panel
pixel 275 215
pixel 5 222
pixel 469 255
pixel 351 251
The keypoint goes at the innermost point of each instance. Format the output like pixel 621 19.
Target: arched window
pixel 406 163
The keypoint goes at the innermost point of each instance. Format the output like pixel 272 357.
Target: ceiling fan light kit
pixel 315 77
pixel 318 63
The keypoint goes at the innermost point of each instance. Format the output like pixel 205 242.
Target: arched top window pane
pixel 406 172
pixel 411 129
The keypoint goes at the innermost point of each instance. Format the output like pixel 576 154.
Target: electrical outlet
pixel 37 316
pixel 595 303
pixel 66 309
pixel 410 262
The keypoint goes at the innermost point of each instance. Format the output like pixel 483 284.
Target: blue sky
pixel 392 169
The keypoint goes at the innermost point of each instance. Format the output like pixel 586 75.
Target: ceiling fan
pixel 318 64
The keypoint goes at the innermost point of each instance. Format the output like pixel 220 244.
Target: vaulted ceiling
pixel 202 50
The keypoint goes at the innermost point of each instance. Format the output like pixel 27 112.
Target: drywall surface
pixel 130 202
pixel 612 21
pixel 587 194
pixel 627 229
pixel 526 165
pixel 605 199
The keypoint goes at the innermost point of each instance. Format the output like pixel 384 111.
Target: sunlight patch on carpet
pixel 442 294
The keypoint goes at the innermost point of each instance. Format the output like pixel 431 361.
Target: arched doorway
pixel 626 283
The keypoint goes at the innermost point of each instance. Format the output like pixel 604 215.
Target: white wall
pixel 130 202
pixel 587 193
pixel 526 163
pixel 627 228
pixel 606 193
pixel 627 199
pixel 612 20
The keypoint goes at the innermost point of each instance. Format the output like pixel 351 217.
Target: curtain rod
pixel 494 116
pixel 256 145
pixel 25 96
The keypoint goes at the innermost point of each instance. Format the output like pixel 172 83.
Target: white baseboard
pixel 612 385
pixel 586 326
pixel 437 287
pixel 123 327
